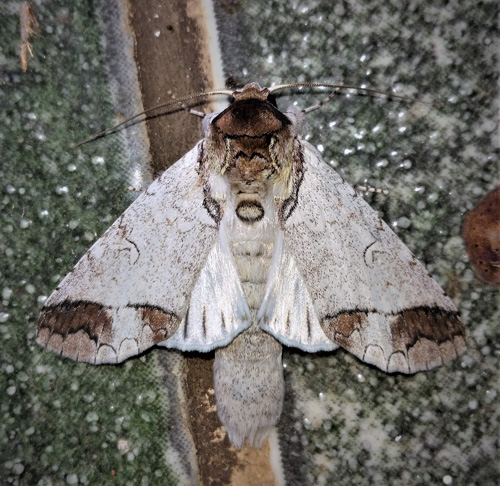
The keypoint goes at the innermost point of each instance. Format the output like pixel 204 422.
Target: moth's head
pixel 251 141
pixel 253 113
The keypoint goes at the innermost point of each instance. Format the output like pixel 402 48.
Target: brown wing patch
pixel 163 324
pixel 408 341
pixel 93 333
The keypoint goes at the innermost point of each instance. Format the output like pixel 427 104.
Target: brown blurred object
pixel 29 27
pixel 481 234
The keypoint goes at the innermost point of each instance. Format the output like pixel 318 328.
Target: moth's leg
pixel 370 189
pixel 193 111
pixel 322 102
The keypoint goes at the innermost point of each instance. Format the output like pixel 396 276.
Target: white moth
pixel 248 243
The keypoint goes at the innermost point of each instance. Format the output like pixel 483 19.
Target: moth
pixel 248 243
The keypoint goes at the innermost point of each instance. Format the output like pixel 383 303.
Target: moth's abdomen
pixel 253 259
pixel 250 211
pixel 252 233
pixel 249 386
pixel 248 373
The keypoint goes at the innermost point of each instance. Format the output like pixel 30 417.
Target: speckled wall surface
pixel 345 422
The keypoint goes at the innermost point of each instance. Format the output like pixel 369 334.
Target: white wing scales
pixel 132 289
pixel 218 309
pixel 287 311
pixel 370 294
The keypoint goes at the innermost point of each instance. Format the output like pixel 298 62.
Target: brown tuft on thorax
pixel 251 140
pixel 250 118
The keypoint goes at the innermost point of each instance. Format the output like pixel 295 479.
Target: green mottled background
pixel 344 422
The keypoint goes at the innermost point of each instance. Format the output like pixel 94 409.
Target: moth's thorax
pixel 251 144
pixel 249 164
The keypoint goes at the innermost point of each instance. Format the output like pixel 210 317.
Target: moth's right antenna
pixel 337 87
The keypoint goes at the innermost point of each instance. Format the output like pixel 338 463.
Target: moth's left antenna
pixel 149 110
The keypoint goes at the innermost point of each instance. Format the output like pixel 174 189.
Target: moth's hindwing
pixel 370 294
pixel 287 311
pixel 131 290
pixel 218 309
